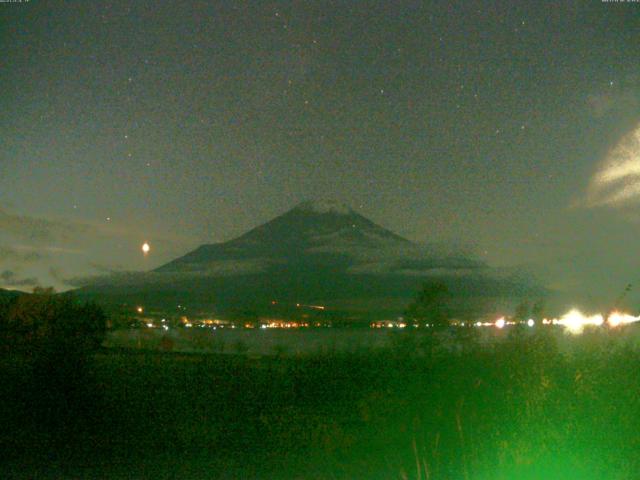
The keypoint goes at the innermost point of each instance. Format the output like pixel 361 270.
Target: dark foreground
pixel 517 409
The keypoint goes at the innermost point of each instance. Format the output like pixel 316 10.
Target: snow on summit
pixel 325 206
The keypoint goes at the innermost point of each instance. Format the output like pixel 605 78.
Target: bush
pixel 49 339
pixel 44 324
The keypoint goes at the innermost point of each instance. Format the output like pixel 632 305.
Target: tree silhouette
pixel 523 311
pixel 44 324
pixel 431 306
pixel 53 336
pixel 538 310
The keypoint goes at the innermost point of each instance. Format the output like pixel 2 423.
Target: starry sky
pixel 509 128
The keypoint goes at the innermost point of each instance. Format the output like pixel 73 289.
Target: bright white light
pixel 139 309
pixel 531 322
pixel 618 318
pixel 146 248
pixel 500 322
pixel 575 321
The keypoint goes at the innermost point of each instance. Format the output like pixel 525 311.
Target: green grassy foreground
pixel 519 409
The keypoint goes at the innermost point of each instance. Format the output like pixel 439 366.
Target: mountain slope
pixel 311 233
pixel 317 253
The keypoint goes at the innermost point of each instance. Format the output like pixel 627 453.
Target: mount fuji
pixel 323 235
pixel 318 253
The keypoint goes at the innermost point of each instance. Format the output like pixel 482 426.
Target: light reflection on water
pixel 302 341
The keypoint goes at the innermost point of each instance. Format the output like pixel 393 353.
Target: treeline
pixel 45 323
pixel 47 341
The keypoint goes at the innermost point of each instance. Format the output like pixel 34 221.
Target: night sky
pixel 510 129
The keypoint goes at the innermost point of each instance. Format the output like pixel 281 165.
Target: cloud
pixel 21 255
pixel 54 250
pixel 621 96
pixel 40 231
pixel 11 279
pixel 603 104
pixel 617 181
pixel 63 236
pixel 99 267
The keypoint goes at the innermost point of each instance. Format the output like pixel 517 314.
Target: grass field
pixel 517 409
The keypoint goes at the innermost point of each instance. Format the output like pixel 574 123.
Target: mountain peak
pixel 311 232
pixel 324 206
